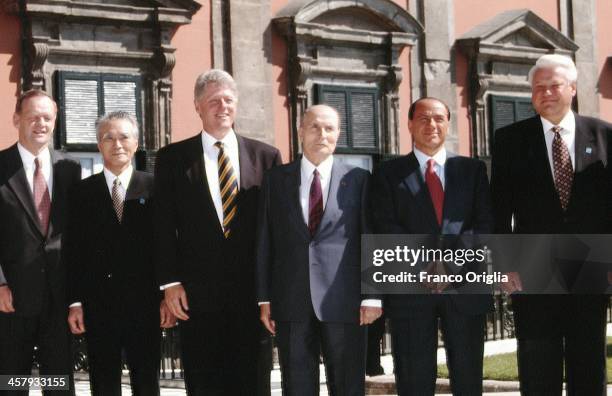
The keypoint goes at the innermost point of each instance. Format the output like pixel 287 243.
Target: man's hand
pixel 166 318
pixel 368 315
pixel 514 283
pixel 176 299
pixel 6 300
pixel 266 318
pixel 75 320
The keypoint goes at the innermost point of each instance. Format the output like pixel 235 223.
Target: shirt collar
pixel 568 123
pixel 229 140
pixel 27 158
pixel 439 157
pixel 124 177
pixel 324 167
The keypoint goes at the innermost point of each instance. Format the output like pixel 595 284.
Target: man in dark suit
pixel 549 177
pixel 312 215
pixel 206 192
pixel 34 184
pixel 430 191
pixel 113 293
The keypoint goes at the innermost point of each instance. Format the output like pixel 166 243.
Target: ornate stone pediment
pixel 515 34
pixel 500 53
pixel 348 43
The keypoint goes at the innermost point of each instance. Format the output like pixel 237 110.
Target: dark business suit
pixel 313 284
pixel 221 337
pixel 523 188
pixel 111 272
pixel 401 204
pixel 30 263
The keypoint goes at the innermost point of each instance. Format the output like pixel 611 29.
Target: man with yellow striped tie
pixel 206 190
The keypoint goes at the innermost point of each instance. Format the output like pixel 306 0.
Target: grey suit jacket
pixel 299 274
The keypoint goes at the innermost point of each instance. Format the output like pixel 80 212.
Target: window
pixel 506 110
pixel 358 108
pixel 83 97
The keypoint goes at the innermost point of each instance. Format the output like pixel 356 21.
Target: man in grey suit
pixel 311 218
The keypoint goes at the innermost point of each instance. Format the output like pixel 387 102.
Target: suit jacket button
pixel 42 270
pixel 109 276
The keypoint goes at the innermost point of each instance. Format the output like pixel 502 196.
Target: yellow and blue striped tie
pixel 229 188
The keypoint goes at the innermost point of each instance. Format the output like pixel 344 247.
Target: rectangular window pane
pixel 81 108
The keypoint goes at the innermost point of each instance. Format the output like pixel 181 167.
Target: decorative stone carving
pixel 349 43
pixel 116 37
pixel 500 52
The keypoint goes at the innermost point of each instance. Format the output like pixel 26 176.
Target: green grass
pixel 503 367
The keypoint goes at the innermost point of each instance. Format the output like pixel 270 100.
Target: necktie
pixel 42 199
pixel 229 188
pixel 435 189
pixel 117 199
pixel 315 204
pixel 562 165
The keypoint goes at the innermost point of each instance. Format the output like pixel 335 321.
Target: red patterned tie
pixel 562 165
pixel 42 200
pixel 315 204
pixel 436 191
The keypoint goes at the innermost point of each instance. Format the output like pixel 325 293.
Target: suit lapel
pixel 336 185
pixel 454 193
pixel 585 146
pixel 57 190
pixel 247 166
pixel 107 210
pixel 292 180
pixel 539 164
pixel 413 179
pixel 18 182
pixel 196 173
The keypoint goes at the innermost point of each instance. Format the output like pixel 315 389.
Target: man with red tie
pixel 431 191
pixel 34 185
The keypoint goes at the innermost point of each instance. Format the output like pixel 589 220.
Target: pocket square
pixel 142 201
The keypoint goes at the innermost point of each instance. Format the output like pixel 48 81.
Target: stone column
pixel 584 30
pixel 251 47
pixel 438 67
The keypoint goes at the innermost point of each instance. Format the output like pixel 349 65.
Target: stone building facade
pixel 368 58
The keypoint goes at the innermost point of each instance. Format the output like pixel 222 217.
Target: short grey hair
pixel 117 115
pixel 213 76
pixel 552 61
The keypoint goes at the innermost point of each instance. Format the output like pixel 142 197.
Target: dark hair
pixel 31 94
pixel 413 106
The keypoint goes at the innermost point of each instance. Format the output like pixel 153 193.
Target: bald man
pixel 312 215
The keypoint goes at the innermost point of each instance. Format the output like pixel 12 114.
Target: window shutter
pixel 83 97
pixel 507 110
pixel 81 109
pixel 120 95
pixel 524 110
pixel 358 116
pixel 338 100
pixel 363 120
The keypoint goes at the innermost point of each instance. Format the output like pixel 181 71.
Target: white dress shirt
pixel 27 159
pixel 439 162
pixel 306 175
pixel 568 134
pixel 124 178
pixel 211 155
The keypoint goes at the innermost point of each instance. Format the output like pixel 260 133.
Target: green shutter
pixel 358 108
